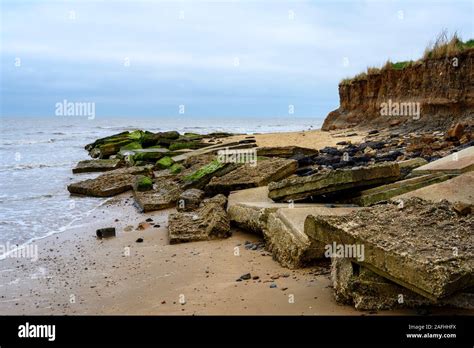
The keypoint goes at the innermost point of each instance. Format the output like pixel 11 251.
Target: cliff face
pixel 443 89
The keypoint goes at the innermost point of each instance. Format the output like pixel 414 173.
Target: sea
pixel 37 156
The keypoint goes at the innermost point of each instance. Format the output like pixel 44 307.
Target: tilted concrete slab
pixel 456 163
pixel 366 290
pixel 285 236
pixel 297 188
pixel 457 189
pixel 385 192
pixel 423 246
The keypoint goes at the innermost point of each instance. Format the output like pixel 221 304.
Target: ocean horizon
pixel 37 155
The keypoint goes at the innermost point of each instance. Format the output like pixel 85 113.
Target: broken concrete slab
pixel 385 192
pixel 164 195
pixel 249 208
pixel 456 163
pixel 356 285
pixel 246 176
pixel 285 151
pixel 109 184
pixel 210 221
pixel 297 188
pixel 286 239
pixel 457 189
pixel 99 165
pixel 423 246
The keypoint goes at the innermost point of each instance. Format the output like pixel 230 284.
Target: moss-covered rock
pixel 203 171
pixel 179 145
pixel 164 162
pixel 143 183
pixel 176 168
pixel 131 146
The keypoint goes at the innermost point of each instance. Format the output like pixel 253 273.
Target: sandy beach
pixel 77 273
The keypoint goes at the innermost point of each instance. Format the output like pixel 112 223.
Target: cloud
pixel 253 55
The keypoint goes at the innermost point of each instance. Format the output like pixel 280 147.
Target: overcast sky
pixel 218 58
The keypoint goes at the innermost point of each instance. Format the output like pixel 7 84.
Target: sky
pixel 206 58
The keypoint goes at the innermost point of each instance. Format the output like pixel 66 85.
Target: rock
pixel 248 176
pixel 456 132
pixel 149 220
pixel 200 177
pixel 296 188
pixel 462 208
pixel 176 168
pixel 160 138
pixel 105 232
pixel 210 221
pixel 143 226
pixel 424 247
pixel 245 276
pixel 164 163
pixel 109 184
pixel 374 131
pixel 285 151
pixel 273 285
pixel 150 155
pixel 164 195
pixel 100 165
pixel 142 183
pixel 189 200
pixel 139 240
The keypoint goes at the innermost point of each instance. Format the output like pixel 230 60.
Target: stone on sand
pixel 210 221
pixel 110 183
pixel 99 165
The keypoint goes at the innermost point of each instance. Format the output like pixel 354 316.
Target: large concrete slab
pixel 423 246
pixel 297 188
pixel 457 189
pixel 367 291
pixel 109 184
pixel 285 237
pixel 456 163
pixel 385 192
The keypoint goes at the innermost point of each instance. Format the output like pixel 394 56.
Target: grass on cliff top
pixel 443 46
